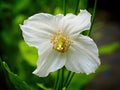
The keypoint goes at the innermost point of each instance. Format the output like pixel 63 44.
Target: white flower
pixel 60 43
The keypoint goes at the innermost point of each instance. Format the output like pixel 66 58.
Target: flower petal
pixel 32 37
pixel 83 56
pixel 39 28
pixel 49 61
pixel 75 24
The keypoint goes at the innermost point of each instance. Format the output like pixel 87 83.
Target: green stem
pixel 69 80
pixel 83 4
pixel 64 6
pixel 77 6
pixel 62 78
pixel 56 87
pixel 93 18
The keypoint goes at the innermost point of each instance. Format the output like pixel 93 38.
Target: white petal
pixel 39 28
pixel 49 61
pixel 83 56
pixel 32 37
pixel 44 20
pixel 75 24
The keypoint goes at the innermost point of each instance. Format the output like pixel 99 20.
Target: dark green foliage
pixel 9 80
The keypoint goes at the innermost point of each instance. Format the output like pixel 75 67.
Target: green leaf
pixel 43 87
pixel 12 81
pixel 107 49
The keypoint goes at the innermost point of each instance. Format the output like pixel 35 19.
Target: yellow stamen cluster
pixel 60 41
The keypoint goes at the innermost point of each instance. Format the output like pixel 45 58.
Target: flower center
pixel 60 41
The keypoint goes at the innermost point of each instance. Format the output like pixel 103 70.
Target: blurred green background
pixel 18 60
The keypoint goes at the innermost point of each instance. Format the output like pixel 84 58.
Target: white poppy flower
pixel 60 43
